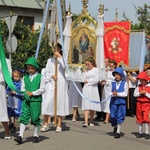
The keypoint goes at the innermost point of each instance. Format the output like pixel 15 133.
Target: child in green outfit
pixel 34 86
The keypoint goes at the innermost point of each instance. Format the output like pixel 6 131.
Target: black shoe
pixel 117 135
pixel 13 130
pixel 97 118
pixel 146 136
pixel 35 139
pixel 11 126
pixel 139 135
pixel 18 140
pixel 105 122
pixel 131 115
pixel 115 130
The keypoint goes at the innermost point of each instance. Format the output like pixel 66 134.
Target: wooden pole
pixel 56 73
pixel 56 67
pixel 128 103
pixel 55 93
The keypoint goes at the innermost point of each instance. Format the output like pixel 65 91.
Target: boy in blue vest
pixel 34 86
pixel 118 101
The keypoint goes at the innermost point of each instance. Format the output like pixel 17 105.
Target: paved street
pixel 75 137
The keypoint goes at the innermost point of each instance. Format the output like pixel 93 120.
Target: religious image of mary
pixel 83 42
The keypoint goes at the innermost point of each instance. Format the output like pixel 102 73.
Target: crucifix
pixel 102 9
pixel 116 19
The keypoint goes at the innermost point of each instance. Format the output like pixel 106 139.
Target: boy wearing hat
pixel 119 91
pixel 34 86
pixel 142 92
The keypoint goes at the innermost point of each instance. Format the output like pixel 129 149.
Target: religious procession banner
pixel 137 50
pixel 116 41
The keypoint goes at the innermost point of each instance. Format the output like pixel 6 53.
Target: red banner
pixel 116 41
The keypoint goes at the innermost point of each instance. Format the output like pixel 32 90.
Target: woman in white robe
pixel 62 86
pixel 3 103
pixel 90 90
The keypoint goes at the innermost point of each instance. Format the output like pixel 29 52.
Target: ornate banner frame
pixel 82 45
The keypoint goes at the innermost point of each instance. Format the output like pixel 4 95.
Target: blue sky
pixel 111 5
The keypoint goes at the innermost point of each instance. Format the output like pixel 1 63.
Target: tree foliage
pixel 27 44
pixel 143 13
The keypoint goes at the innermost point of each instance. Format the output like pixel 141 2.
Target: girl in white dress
pixel 90 90
pixel 62 88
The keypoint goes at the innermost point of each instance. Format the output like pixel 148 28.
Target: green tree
pixel 27 44
pixel 137 26
pixel 143 13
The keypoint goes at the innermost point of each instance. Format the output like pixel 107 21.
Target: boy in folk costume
pixel 118 102
pixel 34 86
pixel 142 92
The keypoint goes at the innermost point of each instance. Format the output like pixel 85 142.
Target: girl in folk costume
pixel 90 90
pixel 142 93
pixel 62 89
pixel 109 78
pixel 14 99
pixel 119 91
pixel 75 99
pixel 34 86
pixel 3 103
pixel 47 104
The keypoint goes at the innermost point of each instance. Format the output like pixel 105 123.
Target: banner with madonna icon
pixel 116 41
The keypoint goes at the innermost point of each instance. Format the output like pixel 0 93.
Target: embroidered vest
pixel 118 100
pixel 33 86
pixel 143 98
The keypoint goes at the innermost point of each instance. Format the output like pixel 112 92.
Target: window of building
pixel 27 21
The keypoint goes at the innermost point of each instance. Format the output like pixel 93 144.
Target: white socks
pixel 146 128
pixel 22 129
pixel 141 128
pixel 36 131
pixel 118 128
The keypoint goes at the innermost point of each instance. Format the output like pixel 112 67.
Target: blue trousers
pixel 117 113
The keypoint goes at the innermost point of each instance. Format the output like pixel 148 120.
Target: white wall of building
pixel 36 13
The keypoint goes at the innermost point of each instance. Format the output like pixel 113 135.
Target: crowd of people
pixel 121 93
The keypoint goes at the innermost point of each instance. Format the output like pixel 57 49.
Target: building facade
pixel 31 11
